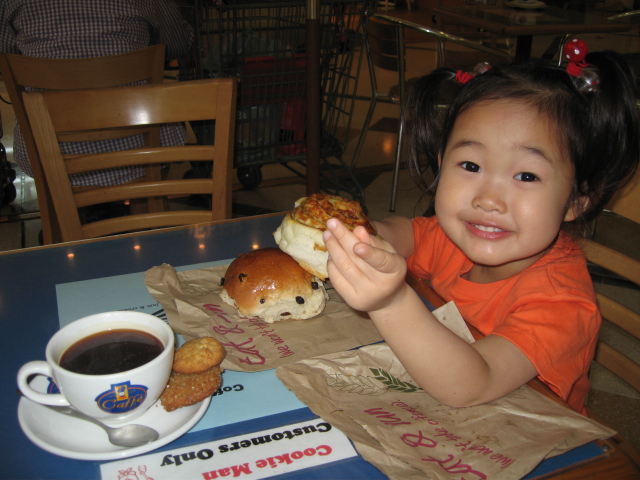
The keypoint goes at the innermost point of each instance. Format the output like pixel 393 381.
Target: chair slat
pixel 129 223
pixel 618 363
pixel 192 102
pixel 619 315
pixel 612 260
pixel 141 156
pixel 143 189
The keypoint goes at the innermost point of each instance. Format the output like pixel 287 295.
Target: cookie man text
pixel 273 462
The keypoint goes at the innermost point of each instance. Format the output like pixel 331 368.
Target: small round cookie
pixel 198 355
pixel 188 389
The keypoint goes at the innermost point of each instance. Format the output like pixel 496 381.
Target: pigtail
pixel 422 124
pixel 613 146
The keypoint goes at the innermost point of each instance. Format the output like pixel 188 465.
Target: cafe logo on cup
pixel 122 397
pixel 52 387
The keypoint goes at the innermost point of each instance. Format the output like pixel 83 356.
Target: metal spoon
pixel 131 435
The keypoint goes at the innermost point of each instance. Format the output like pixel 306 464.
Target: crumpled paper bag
pixel 407 434
pixel 194 309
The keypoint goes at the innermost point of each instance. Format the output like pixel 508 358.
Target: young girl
pixel 521 154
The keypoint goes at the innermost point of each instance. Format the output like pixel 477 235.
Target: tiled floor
pixel 617 404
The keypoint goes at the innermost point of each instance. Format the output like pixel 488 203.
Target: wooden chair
pixel 384 43
pixel 20 72
pixel 632 56
pixel 626 204
pixel 99 114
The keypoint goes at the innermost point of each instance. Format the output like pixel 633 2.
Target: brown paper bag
pixel 194 309
pixel 406 433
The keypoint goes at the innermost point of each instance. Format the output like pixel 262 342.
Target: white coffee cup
pixel 114 397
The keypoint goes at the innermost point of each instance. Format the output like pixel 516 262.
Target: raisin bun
pixel 300 233
pixel 270 285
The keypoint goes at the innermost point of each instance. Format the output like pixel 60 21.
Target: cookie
pixel 198 355
pixel 188 389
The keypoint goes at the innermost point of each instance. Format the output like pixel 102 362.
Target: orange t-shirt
pixel 548 311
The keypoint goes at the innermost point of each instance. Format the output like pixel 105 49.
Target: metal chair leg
pixel 363 132
pixel 396 169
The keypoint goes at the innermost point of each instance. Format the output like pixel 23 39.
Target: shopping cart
pixel 8 191
pixel 263 45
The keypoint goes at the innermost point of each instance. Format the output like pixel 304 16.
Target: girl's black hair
pixel 598 129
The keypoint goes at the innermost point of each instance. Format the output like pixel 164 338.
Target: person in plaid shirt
pixel 80 29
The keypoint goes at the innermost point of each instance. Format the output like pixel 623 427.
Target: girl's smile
pixel 486 231
pixel 504 185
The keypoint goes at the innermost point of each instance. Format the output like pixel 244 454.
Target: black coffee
pixel 112 351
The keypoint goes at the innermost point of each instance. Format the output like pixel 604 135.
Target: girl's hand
pixel 365 270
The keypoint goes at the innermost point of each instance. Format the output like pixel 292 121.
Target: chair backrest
pixel 78 115
pixel 21 73
pixel 624 15
pixel 616 345
pixel 626 204
pixel 385 47
pixel 384 43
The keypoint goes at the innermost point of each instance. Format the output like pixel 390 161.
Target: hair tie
pixel 575 51
pixel 464 77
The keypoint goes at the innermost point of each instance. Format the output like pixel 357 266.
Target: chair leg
pixel 363 132
pixel 396 169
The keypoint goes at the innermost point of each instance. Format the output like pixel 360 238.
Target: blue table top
pixel 29 317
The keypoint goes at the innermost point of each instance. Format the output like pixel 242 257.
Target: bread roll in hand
pixel 300 233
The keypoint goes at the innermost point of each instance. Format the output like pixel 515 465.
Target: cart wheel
pixel 9 194
pixel 250 177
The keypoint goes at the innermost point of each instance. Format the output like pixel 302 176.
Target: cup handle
pixel 38 367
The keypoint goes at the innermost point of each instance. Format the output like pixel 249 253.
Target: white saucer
pixel 74 438
pixel 533 5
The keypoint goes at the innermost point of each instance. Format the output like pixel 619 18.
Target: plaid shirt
pixel 93 28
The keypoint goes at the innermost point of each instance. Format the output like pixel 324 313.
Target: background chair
pixel 621 324
pixel 384 43
pixel 624 43
pixel 632 54
pixel 21 73
pixel 99 114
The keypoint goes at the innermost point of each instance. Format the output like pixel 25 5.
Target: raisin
pixel 241 276
pixel 222 282
pixel 262 300
pixel 315 285
pixel 299 300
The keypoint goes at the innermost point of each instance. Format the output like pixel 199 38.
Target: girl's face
pixel 504 185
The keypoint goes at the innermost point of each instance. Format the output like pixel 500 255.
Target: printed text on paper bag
pixel 253 355
pixel 431 433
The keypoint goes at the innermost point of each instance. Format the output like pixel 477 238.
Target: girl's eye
pixel 526 177
pixel 470 166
